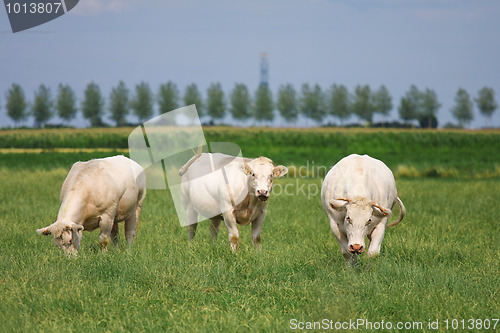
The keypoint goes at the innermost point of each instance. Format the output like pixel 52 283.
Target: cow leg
pixel 106 226
pixel 232 230
pixel 214 227
pixel 191 230
pixel 114 233
pixel 342 240
pixel 130 224
pixel 192 217
pixel 376 237
pixel 131 221
pixel 256 228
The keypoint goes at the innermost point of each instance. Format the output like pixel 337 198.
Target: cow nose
pixel 262 193
pixel 355 248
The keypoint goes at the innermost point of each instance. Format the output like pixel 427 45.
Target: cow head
pixel 361 216
pixel 262 172
pixel 66 235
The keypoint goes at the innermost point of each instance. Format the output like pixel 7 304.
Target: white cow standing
pixel 98 194
pixel 222 187
pixel 358 194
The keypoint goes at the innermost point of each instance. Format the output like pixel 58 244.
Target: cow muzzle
pixel 263 195
pixel 356 248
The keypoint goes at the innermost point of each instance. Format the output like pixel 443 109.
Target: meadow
pixel 440 263
pixel 409 153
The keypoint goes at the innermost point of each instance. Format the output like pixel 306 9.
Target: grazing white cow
pixel 222 187
pixel 98 194
pixel 358 194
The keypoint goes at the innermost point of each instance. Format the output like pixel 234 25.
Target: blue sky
pixel 440 44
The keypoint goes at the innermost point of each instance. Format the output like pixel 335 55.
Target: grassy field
pixel 409 153
pixel 441 263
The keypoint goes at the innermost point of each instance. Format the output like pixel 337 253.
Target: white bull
pixel 358 194
pixel 222 187
pixel 98 194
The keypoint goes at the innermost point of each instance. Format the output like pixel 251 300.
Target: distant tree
pixel 339 103
pixel 382 101
pixel 42 108
pixel 16 104
pixel 168 97
pixel 93 105
pixel 409 107
pixel 193 96
pixel 312 102
pixel 119 104
pixel 486 103
pixel 463 109
pixel 66 103
pixel 287 102
pixel 216 102
pixel 407 111
pixel 428 108
pixel 263 104
pixel 241 102
pixel 143 101
pixel 362 103
pixel 429 122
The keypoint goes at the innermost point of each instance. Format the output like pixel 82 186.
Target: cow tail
pixel 191 161
pixel 402 213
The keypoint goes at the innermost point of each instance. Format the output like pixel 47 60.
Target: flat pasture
pixel 441 263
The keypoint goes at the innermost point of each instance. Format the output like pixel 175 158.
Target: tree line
pixel 311 101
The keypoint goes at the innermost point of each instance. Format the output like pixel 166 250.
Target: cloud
pixel 429 10
pixel 456 13
pixel 94 7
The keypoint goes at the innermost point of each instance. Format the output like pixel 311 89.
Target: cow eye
pixel 348 220
pixel 253 175
pixel 369 221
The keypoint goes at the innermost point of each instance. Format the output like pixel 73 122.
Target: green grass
pixel 416 153
pixel 441 263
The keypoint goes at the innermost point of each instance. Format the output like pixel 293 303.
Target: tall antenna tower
pixel 264 69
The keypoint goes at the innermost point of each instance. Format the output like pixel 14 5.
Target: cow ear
pixel 247 169
pixel 380 211
pixel 77 227
pixel 280 171
pixel 339 204
pixel 43 231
